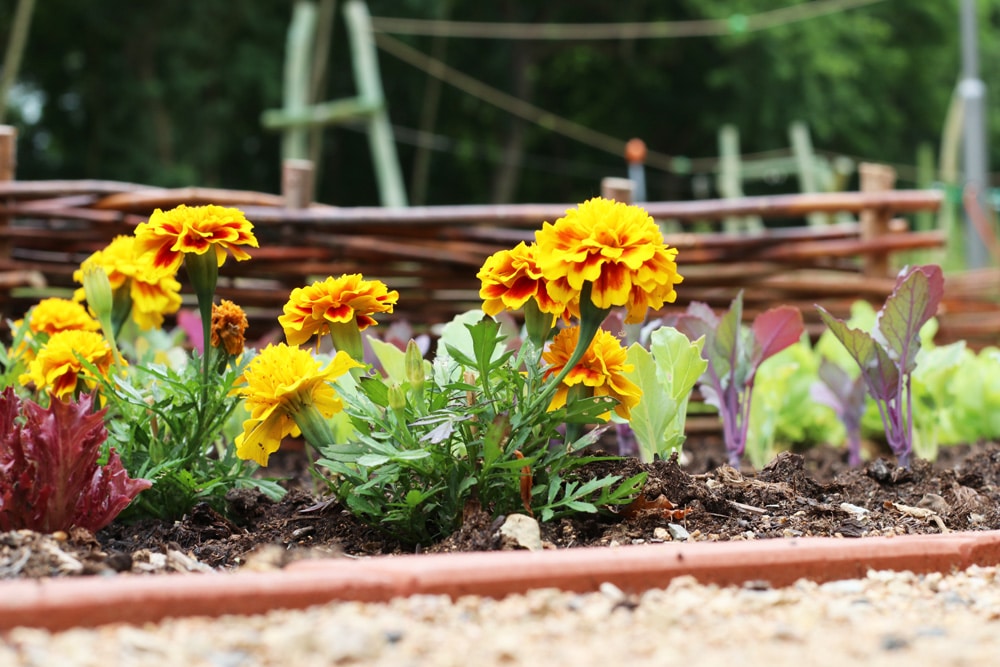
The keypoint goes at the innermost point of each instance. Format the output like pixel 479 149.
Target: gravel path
pixel 885 619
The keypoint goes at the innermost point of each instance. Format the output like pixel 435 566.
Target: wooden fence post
pixel 619 189
pixel 297 182
pixel 8 169
pixel 876 222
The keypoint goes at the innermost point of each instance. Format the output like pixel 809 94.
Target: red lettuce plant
pixel 734 353
pixel 888 354
pixel 50 478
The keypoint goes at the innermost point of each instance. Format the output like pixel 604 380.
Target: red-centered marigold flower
pixel 511 277
pixel 154 292
pixel 194 230
pixel 50 316
pixel 58 366
pixel 345 300
pixel 229 323
pixel 601 370
pixel 617 248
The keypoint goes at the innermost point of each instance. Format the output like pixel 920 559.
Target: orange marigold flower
pixel 50 316
pixel 229 323
pixel 58 367
pixel 154 292
pixel 511 277
pixel 311 310
pixel 601 370
pixel 617 248
pixel 194 229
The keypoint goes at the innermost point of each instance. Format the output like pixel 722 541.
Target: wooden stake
pixel 875 221
pixel 8 167
pixel 297 182
pixel 619 189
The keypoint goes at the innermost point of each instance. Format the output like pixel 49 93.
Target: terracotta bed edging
pixel 58 604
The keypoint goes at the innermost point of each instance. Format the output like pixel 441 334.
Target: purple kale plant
pixel 887 355
pixel 50 476
pixel 734 353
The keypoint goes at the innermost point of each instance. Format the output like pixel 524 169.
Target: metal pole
pixel 972 92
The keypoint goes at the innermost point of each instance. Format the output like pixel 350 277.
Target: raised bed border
pixel 61 604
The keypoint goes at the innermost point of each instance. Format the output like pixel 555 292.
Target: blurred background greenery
pixel 171 93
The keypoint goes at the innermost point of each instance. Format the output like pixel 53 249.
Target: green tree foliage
pixel 171 93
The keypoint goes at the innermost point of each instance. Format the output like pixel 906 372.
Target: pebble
pixel 887 619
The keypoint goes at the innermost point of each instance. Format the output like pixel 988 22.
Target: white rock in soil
pixel 678 532
pixel 520 530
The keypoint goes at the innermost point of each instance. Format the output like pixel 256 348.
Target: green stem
pixel 590 322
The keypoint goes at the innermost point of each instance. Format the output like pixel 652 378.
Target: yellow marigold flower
pixel 601 370
pixel 278 384
pixel 348 299
pixel 194 229
pixel 58 367
pixel 50 316
pixel 511 277
pixel 229 323
pixel 617 248
pixel 154 292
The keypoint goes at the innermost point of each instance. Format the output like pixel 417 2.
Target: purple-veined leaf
pixel 726 350
pixel 774 330
pixel 914 301
pixel 703 312
pixel 880 371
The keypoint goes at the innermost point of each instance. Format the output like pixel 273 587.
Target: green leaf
pixel 392 359
pixel 372 460
pixel 666 375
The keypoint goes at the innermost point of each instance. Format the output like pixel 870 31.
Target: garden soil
pixel 813 493
pixel 887 618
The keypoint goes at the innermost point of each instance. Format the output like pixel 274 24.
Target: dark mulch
pixel 806 494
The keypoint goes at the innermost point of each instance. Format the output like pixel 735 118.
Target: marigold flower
pixel 229 323
pixel 50 316
pixel 348 299
pixel 194 230
pixel 154 292
pixel 58 367
pixel 511 277
pixel 617 248
pixel 601 370
pixel 278 384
